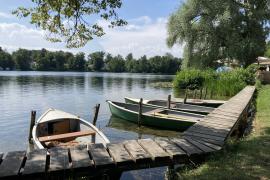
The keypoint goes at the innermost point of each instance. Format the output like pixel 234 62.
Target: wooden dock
pixel 207 136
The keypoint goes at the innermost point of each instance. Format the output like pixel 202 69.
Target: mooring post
pixel 201 90
pixel 32 123
pixel 186 95
pixel 93 140
pixel 140 112
pixel 169 102
pixel 205 95
pixel 96 109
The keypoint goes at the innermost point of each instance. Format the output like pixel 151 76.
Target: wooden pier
pixel 207 136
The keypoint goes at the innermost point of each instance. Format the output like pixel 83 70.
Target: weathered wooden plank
pixel 11 164
pixel 156 152
pixel 59 159
pixel 209 124
pixel 202 147
pixel 138 154
pixel 176 153
pixel 80 157
pixel 220 116
pixel 205 136
pixel 36 162
pixel 120 154
pixel 100 155
pixel 213 146
pixel 190 149
pixel 212 141
pixel 209 131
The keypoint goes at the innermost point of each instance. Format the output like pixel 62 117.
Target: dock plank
pixel 119 154
pixel 213 146
pixel 59 160
pixel 208 131
pixel 138 154
pixel 80 157
pixel 100 156
pixel 201 146
pixel 189 149
pixel 156 152
pixel 36 162
pixel 205 136
pixel 212 141
pixel 176 153
pixel 11 164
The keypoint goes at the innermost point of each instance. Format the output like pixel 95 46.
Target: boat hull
pixel 148 120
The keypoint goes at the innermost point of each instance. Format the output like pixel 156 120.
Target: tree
pixel 22 58
pixel 6 61
pixel 69 20
pixel 96 60
pixel 79 62
pixel 116 64
pixel 220 30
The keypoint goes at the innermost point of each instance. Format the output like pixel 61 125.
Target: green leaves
pixel 69 21
pixel 219 30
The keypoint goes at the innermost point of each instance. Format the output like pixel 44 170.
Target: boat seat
pixel 59 137
pixel 155 111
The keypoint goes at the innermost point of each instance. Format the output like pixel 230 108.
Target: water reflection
pixel 142 131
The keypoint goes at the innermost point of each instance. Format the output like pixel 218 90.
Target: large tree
pixel 72 21
pixel 220 30
pixel 96 60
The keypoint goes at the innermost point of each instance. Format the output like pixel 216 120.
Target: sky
pixel 145 33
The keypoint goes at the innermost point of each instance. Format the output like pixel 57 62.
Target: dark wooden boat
pixel 152 116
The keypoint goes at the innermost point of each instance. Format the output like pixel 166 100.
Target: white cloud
pixel 142 36
pixel 5 15
pixel 14 36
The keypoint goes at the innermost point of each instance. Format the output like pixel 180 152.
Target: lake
pixel 77 93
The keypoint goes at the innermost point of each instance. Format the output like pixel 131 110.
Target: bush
pixel 220 84
pixel 189 79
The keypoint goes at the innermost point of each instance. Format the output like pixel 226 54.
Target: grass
pixel 247 158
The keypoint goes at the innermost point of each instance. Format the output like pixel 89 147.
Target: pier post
pixel 32 123
pixel 169 102
pixel 186 95
pixel 96 109
pixel 205 95
pixel 201 91
pixel 140 112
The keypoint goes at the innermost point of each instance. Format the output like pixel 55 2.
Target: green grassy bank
pixel 247 158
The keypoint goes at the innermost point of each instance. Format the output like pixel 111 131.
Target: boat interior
pixel 65 133
pixel 157 111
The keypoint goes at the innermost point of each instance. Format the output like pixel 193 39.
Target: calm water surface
pixel 77 93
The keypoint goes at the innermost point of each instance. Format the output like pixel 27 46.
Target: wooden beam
pixel 11 164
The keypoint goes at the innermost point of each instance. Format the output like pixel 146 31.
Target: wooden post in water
pixel 140 112
pixel 32 123
pixel 205 93
pixel 96 114
pixel 93 140
pixel 169 102
pixel 186 95
pixel 201 90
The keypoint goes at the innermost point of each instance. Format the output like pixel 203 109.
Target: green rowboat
pixel 178 106
pixel 156 117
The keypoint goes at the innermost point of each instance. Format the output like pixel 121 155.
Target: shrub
pixel 220 84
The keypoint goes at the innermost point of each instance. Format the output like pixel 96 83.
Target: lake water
pixel 77 93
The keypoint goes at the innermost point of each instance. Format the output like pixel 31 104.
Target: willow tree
pixel 72 21
pixel 220 30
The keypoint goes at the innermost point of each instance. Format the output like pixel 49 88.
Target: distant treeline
pixel 44 60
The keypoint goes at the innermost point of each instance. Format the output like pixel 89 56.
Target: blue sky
pixel 145 33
